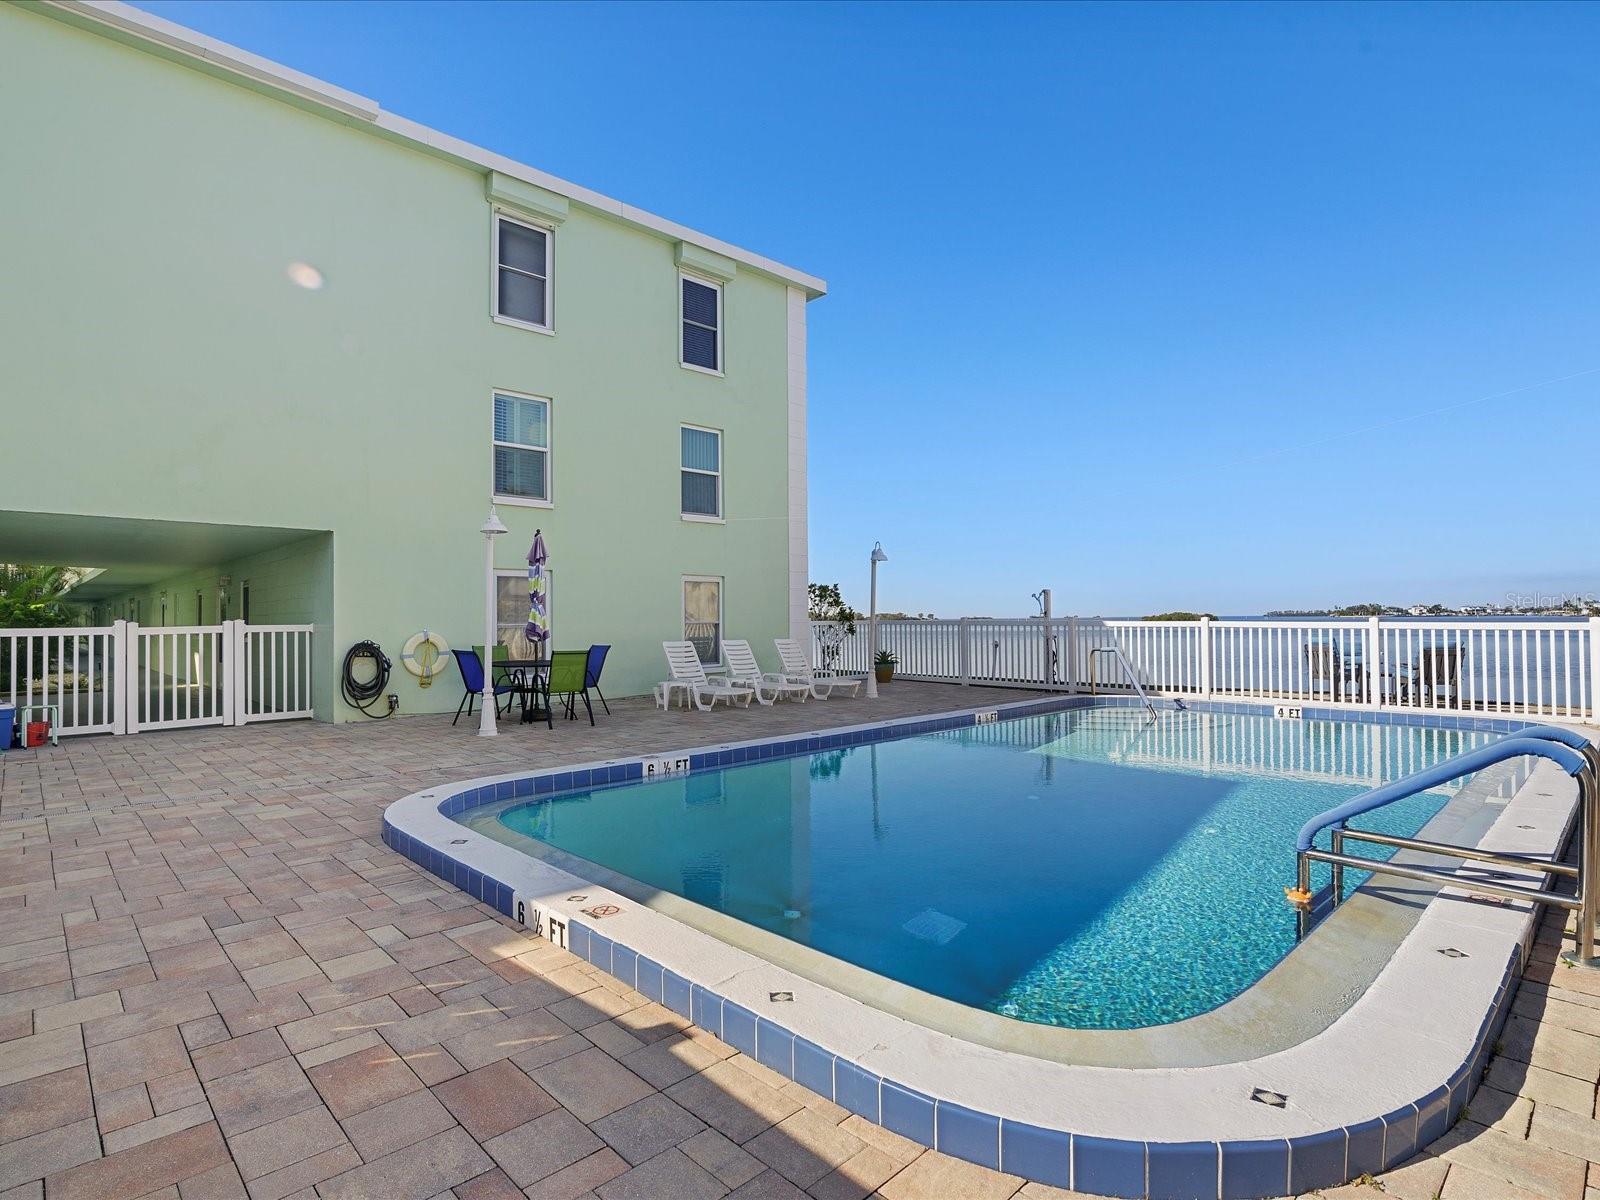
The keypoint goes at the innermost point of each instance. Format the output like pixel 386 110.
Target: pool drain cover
pixel 931 925
pixel 1452 952
pixel 1269 1098
pixel 781 997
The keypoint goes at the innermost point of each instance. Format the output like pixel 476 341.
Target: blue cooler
pixel 8 717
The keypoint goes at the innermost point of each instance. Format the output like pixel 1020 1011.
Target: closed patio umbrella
pixel 537 630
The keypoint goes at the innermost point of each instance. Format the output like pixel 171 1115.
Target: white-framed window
pixel 511 612
pixel 521 449
pixel 702 616
pixel 523 258
pixel 700 318
pixel 700 472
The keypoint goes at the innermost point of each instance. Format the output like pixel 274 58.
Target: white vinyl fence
pixel 124 678
pixel 1522 667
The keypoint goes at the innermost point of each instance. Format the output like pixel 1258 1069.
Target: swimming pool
pixel 1089 868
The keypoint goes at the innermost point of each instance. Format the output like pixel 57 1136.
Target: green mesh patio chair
pixel 568 678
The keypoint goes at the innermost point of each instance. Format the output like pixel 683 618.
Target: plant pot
pixel 884 674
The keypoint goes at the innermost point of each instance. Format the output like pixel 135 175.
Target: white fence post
pixel 239 654
pixel 1072 654
pixel 1374 665
pixel 128 697
pixel 963 652
pixel 114 683
pixel 1594 669
pixel 228 652
pixel 1204 650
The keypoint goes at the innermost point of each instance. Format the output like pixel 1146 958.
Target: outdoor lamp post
pixel 878 556
pixel 492 528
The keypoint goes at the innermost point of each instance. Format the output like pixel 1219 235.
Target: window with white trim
pixel 511 606
pixel 521 447
pixel 700 307
pixel 522 272
pixel 702 616
pixel 700 471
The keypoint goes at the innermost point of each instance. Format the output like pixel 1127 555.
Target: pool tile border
pixel 1137 1170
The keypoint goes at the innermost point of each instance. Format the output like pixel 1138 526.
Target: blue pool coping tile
pixel 856 1089
pixel 908 1113
pixel 967 1134
pixel 1251 1169
pixel 1182 1168
pixel 1044 1155
pixel 1106 1166
pixel 1316 1158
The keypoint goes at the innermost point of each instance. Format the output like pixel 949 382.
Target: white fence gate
pixel 124 678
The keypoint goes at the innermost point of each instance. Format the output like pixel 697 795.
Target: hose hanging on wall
pixel 362 693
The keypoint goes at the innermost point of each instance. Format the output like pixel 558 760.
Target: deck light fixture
pixel 493 527
pixel 878 556
pixel 304 275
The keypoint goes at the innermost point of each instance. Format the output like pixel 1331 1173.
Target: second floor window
pixel 521 447
pixel 701 462
pixel 522 272
pixel 702 324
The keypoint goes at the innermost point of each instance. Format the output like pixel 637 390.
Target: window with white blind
pixel 521 449
pixel 511 612
pixel 702 616
pixel 700 482
pixel 700 310
pixel 522 273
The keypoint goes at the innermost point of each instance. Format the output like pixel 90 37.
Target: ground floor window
pixel 511 612
pixel 702 616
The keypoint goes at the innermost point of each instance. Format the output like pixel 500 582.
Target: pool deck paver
pixel 215 981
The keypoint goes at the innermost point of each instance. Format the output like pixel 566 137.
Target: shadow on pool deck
pixel 214 978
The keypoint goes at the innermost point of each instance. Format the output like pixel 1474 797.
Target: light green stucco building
pixel 269 351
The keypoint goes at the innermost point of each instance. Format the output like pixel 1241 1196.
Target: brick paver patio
pixel 215 981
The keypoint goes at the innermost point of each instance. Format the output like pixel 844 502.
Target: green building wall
pixel 159 364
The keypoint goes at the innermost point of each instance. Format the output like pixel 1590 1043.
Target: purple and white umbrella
pixel 537 630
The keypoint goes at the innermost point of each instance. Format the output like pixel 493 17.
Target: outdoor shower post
pixel 878 556
pixel 492 528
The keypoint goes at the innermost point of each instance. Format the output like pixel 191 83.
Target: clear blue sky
pixel 1219 307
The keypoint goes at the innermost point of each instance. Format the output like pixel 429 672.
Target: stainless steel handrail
pixel 1571 751
pixel 1126 666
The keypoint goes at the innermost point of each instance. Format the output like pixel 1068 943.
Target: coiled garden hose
pixel 362 693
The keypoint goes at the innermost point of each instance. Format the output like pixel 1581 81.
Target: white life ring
pixel 421 664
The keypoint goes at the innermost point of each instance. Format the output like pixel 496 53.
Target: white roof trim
pixel 232 60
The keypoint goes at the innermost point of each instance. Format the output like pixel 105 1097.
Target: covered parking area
pixel 181 623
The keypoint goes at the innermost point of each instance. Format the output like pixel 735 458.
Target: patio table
pixel 525 673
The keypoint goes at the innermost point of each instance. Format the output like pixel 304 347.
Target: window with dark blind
pixel 702 324
pixel 700 464
pixel 522 272
pixel 521 447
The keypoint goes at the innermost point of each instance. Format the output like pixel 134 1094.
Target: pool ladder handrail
pixel 1126 666
pixel 1569 750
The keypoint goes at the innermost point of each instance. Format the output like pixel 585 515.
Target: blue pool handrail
pixel 1543 741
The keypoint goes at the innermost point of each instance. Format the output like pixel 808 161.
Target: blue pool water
pixel 1091 868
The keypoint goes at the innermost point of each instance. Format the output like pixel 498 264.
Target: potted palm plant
pixel 883 665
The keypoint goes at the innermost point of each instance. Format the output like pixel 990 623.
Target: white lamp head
pixel 494 526
pixel 877 553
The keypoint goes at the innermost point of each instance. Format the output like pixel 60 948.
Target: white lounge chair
pixel 796 669
pixel 769 685
pixel 689 675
